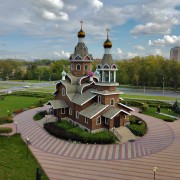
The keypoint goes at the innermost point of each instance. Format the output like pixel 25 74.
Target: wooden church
pixel 90 99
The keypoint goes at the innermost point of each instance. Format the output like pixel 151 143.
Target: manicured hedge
pixel 5 130
pixel 137 126
pixel 67 131
pixel 151 103
pixel 40 115
pixel 4 120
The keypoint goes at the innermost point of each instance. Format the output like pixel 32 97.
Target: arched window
pixel 63 92
pixel 72 66
pixel 98 120
pixel 78 67
pixel 113 66
pixel 70 111
pixel 86 67
pixel 99 99
pixel 106 66
pixel 112 102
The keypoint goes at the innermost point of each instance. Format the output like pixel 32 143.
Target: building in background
pixel 175 53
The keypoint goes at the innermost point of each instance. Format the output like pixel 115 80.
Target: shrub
pixel 40 115
pixel 67 131
pixel 137 126
pixel 5 130
pixel 145 107
pixel 4 120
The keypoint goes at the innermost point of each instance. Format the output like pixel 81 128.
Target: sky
pixel 38 29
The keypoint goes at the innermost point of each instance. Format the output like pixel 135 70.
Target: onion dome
pixel 96 73
pixel 81 34
pixel 63 73
pixel 107 43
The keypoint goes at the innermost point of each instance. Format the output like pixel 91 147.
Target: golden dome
pixel 107 44
pixel 81 34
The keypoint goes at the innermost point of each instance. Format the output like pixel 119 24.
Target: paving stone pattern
pixel 127 161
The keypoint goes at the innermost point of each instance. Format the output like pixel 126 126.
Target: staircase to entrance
pixel 124 134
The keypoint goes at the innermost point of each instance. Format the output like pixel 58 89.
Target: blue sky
pixel 34 29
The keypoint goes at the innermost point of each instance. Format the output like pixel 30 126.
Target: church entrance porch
pixel 116 122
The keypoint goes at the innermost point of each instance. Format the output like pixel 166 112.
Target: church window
pixel 86 67
pixel 62 111
pixel 106 66
pixel 106 121
pixel 70 111
pixel 124 116
pixel 86 120
pixel 63 92
pixel 113 66
pixel 77 115
pixel 112 102
pixel 72 66
pixel 78 67
pixel 99 99
pixel 99 66
pixel 98 120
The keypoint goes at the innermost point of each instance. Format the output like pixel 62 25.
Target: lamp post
pixel 16 126
pixel 27 144
pixel 155 169
pixel 163 86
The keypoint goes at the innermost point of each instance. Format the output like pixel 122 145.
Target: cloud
pixel 131 55
pixel 57 4
pixel 62 54
pixel 96 4
pixel 156 52
pixel 151 28
pixel 167 40
pixel 139 47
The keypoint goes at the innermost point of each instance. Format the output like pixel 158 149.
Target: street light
pixel 27 144
pixel 155 169
pixel 16 126
pixel 163 86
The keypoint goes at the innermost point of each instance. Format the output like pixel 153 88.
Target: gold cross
pixel 107 32
pixel 81 23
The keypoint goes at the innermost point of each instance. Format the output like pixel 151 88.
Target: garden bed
pixel 137 126
pixel 67 131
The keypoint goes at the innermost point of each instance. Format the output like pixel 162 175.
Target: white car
pixel 26 86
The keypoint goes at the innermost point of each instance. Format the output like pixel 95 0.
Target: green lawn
pixel 133 96
pixel 13 103
pixel 14 163
pixel 152 112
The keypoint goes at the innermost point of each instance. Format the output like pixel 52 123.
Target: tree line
pixel 149 71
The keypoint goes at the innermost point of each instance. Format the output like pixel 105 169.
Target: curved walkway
pixel 159 137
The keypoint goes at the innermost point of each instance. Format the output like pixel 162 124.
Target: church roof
pixel 57 104
pixel 111 113
pixel 81 52
pixel 93 110
pixel 81 99
pixel 106 92
pixel 107 59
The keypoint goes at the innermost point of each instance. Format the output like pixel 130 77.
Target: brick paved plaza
pixel 127 161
